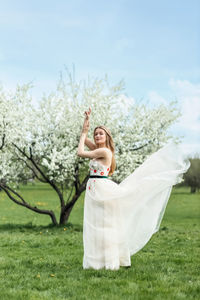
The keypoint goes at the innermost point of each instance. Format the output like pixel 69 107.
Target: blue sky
pixel 153 45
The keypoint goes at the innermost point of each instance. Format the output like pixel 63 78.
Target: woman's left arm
pixel 84 133
pixel 97 153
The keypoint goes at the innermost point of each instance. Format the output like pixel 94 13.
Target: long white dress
pixel 119 219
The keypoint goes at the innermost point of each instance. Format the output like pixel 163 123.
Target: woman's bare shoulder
pixel 108 151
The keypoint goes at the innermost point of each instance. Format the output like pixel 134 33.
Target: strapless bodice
pixel 97 168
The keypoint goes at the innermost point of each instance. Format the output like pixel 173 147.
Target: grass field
pixel 38 261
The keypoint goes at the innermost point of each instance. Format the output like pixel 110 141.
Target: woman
pixel 119 219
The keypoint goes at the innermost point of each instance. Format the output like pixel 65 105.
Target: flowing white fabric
pixel 119 219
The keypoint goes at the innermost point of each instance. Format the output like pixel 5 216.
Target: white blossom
pixel 50 132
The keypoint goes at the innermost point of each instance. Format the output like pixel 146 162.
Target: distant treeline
pixel 192 177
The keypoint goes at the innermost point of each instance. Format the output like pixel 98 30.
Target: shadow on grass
pixel 182 193
pixel 36 228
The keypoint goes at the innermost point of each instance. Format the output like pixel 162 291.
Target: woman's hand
pixel 86 123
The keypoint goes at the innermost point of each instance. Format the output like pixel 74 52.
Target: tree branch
pixel 140 147
pixel 77 182
pixel 3 141
pixel 36 175
pixel 70 194
pixel 7 190
pixel 77 194
pixel 51 182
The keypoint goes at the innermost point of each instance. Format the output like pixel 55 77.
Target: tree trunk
pixel 193 189
pixel 53 219
pixel 66 210
pixel 65 215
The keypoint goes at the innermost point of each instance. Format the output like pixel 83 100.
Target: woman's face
pixel 99 136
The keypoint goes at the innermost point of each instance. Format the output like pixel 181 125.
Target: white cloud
pixel 188 125
pixel 190 149
pixel 185 88
pixel 155 98
pixel 188 95
pixel 124 103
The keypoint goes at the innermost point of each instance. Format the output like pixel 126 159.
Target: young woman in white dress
pixel 119 219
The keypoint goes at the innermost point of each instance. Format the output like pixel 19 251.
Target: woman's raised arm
pixel 96 152
pixel 83 138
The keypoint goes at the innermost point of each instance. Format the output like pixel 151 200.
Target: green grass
pixel 38 261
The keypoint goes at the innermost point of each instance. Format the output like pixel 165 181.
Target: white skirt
pixel 119 219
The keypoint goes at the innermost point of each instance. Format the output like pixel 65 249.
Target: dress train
pixel 119 219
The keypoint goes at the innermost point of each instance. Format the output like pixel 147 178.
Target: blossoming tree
pixel 40 141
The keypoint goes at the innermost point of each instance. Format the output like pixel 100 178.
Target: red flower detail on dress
pixel 89 187
pixel 95 171
pixel 108 169
pixel 102 173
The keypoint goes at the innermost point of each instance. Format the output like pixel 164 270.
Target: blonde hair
pixel 110 145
